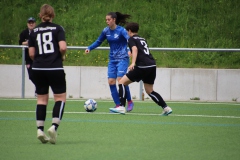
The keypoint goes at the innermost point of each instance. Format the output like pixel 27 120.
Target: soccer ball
pixel 90 105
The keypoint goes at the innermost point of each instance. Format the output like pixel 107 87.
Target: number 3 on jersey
pixel 146 50
pixel 45 44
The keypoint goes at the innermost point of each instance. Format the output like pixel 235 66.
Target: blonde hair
pixel 46 12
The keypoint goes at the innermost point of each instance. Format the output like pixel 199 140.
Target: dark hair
pixel 134 27
pixel 121 19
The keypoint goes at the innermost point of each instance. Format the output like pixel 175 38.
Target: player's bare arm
pixel 63 48
pixel 31 52
pixel 134 57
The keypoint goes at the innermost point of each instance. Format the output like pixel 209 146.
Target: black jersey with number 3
pixel 45 38
pixel 144 57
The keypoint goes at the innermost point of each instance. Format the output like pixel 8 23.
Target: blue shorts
pixel 117 68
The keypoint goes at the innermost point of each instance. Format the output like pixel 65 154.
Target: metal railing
pixel 107 48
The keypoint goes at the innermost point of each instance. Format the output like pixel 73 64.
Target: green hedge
pixel 164 23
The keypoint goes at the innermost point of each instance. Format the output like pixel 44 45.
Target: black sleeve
pixel 61 34
pixel 21 38
pixel 131 43
pixel 31 42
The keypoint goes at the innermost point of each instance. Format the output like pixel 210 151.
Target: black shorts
pixel 147 75
pixel 44 79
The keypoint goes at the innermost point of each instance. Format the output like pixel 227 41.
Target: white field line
pixel 136 101
pixel 137 114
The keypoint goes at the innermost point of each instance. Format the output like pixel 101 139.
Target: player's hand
pixel 131 67
pixel 87 51
pixel 129 54
pixel 28 66
pixel 25 43
pixel 63 58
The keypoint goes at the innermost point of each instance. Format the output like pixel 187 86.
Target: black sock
pixel 122 95
pixel 41 128
pixel 56 126
pixel 58 109
pixel 158 99
pixel 41 111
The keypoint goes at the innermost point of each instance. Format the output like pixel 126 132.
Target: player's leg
pixel 123 85
pixel 123 82
pixel 58 85
pixel 58 109
pixel 156 97
pixel 122 68
pixel 122 95
pixel 41 112
pixel 114 91
pixel 112 75
pixel 42 101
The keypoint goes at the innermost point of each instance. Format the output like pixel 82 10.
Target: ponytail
pixel 121 19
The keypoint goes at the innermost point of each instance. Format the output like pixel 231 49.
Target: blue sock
pixel 128 94
pixel 114 92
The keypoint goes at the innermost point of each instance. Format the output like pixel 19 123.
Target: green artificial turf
pixel 193 131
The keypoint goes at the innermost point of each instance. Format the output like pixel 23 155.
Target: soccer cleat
pixel 130 106
pixel 53 134
pixel 166 111
pixel 119 109
pixel 41 136
pixel 114 107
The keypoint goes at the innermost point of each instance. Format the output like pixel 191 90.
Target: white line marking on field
pixel 137 101
pixel 138 114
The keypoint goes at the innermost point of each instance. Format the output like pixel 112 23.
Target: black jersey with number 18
pixel 45 38
pixel 144 57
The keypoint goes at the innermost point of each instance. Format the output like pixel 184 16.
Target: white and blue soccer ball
pixel 90 105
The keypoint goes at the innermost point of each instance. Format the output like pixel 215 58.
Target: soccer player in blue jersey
pixel 117 37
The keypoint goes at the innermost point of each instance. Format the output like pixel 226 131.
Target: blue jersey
pixel 117 40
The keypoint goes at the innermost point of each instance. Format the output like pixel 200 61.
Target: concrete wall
pixel 178 84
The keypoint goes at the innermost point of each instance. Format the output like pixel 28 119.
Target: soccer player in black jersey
pixel 47 48
pixel 143 67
